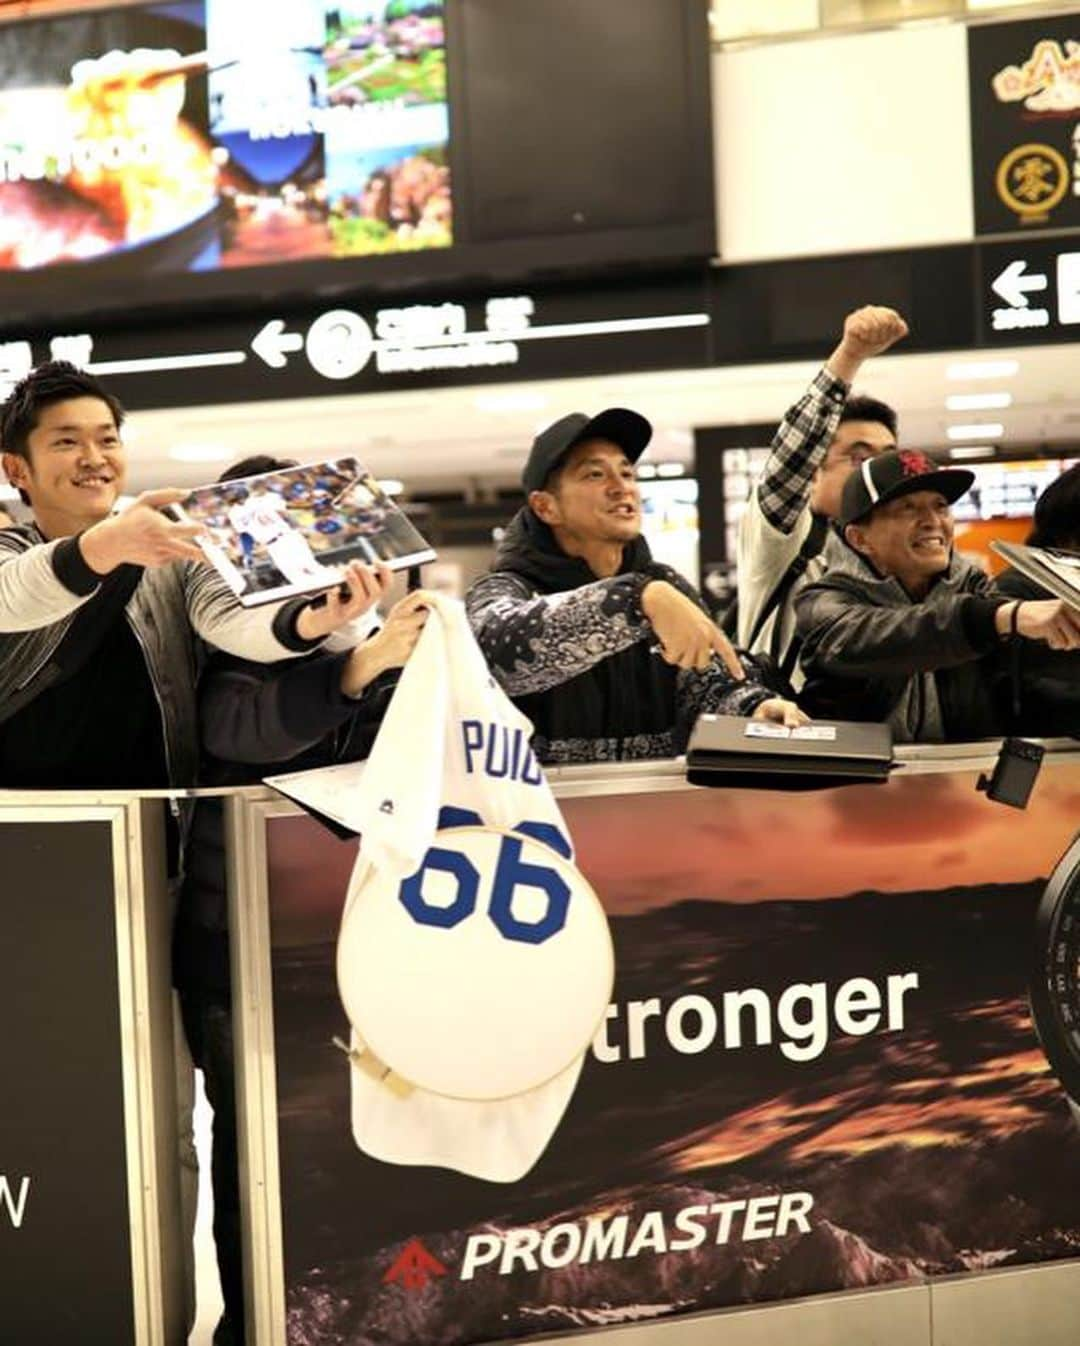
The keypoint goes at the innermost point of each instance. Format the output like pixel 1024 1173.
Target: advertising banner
pixel 1025 124
pixel 818 1072
pixel 193 136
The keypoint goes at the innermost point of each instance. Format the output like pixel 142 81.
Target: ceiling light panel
pixel 978 401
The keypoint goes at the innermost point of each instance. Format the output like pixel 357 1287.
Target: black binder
pixel 730 751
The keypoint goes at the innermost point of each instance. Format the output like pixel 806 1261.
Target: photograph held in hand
pixel 294 531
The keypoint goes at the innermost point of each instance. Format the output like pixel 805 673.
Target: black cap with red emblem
pixel 890 475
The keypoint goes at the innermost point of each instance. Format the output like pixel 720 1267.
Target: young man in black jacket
pixel 609 653
pixel 257 720
pixel 898 631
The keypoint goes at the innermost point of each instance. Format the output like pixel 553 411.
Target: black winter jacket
pixel 871 653
pixel 259 720
pixel 1042 688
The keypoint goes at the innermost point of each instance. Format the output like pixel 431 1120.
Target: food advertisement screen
pixel 162 139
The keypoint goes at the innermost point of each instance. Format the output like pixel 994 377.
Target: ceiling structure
pixel 472 439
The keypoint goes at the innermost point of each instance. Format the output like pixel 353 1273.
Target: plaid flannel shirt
pixel 798 447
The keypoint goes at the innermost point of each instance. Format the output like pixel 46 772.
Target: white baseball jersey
pixel 261 516
pixel 474 961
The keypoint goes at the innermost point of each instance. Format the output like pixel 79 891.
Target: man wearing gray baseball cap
pixel 611 654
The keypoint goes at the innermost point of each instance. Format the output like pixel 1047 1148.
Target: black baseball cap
pixel 887 476
pixel 627 429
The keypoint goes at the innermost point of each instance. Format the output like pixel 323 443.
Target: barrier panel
pixel 89 1212
pixel 818 1076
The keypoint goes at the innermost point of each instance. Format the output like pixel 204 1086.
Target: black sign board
pixel 364 346
pixel 1029 291
pixel 65 1242
pixel 1025 124
pixel 795 309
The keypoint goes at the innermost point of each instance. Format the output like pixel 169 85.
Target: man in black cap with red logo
pixel 611 654
pixel 901 630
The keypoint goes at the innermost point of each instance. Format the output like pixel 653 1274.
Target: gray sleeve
pixel 33 593
pixel 218 616
pixel 535 641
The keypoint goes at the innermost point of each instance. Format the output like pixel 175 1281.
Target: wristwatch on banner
pixel 1055 975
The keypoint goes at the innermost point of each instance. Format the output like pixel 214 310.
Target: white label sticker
pixel 818 733
pixel 760 729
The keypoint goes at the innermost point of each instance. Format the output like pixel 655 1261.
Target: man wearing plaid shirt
pixel 784 539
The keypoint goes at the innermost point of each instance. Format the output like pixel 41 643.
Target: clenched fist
pixel 871 330
pixel 868 331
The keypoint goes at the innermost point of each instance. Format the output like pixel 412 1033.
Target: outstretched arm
pixel 803 436
pixel 535 641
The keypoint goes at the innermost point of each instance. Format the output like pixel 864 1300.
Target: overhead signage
pixel 346 348
pixel 1031 291
pixel 1025 124
pixel 1014 285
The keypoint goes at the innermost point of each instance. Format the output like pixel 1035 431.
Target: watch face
pixel 1055 976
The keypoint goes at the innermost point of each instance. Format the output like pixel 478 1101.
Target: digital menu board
pixel 219 154
pixel 213 134
pixel 207 149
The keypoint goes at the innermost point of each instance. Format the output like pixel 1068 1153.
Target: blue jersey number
pixel 510 873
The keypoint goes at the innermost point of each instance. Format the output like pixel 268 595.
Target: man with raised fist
pixel 784 536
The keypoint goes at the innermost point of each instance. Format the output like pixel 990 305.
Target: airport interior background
pixel 414 232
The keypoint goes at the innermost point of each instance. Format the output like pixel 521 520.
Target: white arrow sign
pixel 1012 285
pixel 272 342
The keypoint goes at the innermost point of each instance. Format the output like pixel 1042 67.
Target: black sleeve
pixel 284 627
pixel 70 568
pixel 845 635
pixel 261 713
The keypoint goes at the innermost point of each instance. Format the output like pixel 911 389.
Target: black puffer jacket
pixel 576 652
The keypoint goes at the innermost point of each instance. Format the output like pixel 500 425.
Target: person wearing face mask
pixel 904 630
pixel 610 654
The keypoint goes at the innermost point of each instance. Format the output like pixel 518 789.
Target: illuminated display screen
pixel 669 511
pixel 213 134
pixel 1008 490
